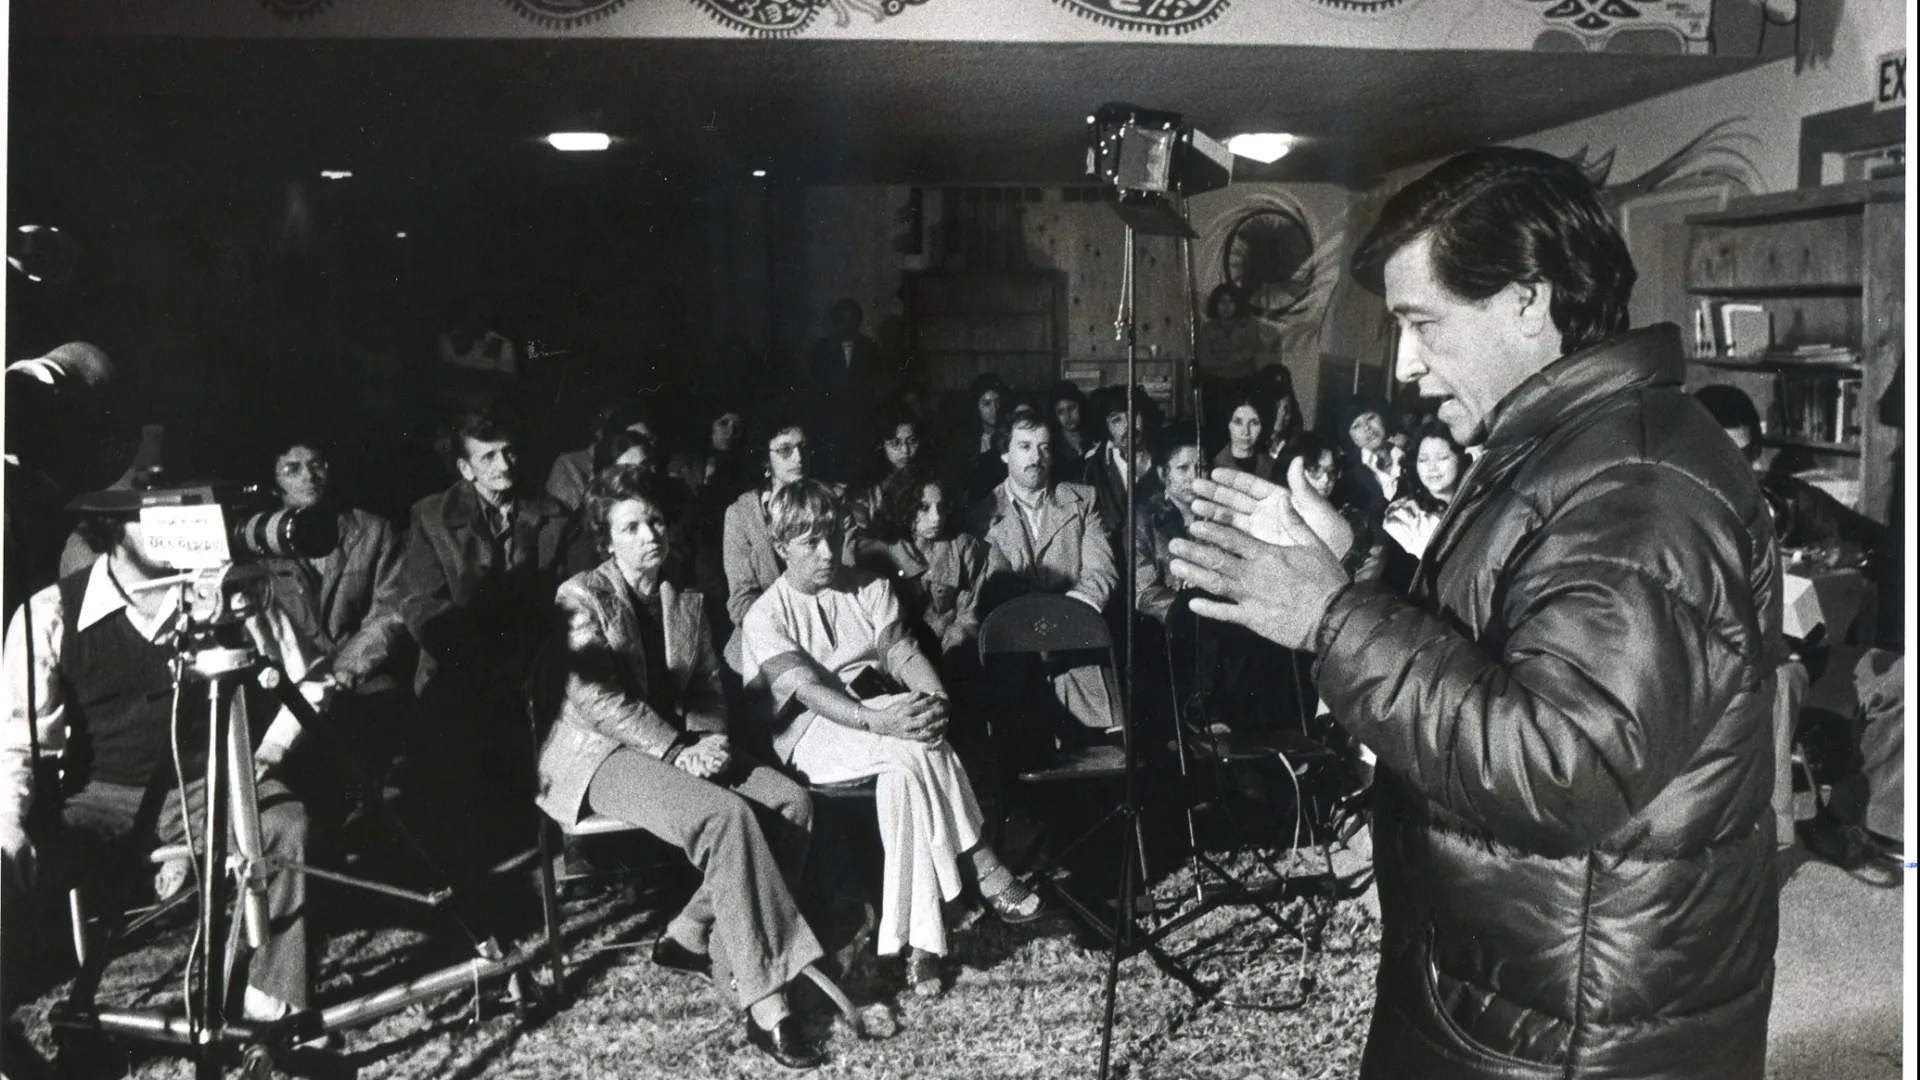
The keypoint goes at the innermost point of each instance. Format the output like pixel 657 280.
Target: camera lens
pixel 308 532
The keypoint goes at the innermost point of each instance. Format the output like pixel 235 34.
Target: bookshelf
pixel 1799 302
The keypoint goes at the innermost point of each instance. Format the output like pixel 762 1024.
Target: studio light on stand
pixel 1154 160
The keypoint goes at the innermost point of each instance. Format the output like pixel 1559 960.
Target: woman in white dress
pixel 852 696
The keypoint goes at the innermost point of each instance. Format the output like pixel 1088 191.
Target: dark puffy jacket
pixel 1572 837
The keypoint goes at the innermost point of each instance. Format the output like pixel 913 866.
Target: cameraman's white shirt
pixel 102 599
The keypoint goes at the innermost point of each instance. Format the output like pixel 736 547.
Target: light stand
pixel 214 652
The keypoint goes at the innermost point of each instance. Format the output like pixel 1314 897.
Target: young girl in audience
pixel 1246 423
pixel 894 465
pixel 937 570
pixel 1320 470
pixel 976 446
pixel 1287 428
pixel 1438 463
pixel 852 696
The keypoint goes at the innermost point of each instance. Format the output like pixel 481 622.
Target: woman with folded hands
pixel 851 696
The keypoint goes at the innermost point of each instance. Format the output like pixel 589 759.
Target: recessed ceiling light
pixel 336 174
pixel 760 174
pixel 579 140
pixel 401 235
pixel 1263 147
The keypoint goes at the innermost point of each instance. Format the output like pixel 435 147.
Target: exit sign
pixel 1890 80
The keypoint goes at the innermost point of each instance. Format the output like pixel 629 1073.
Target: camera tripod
pixel 216 1041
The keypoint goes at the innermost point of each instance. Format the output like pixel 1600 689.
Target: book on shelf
pixel 1728 330
pixel 1819 408
pixel 1813 354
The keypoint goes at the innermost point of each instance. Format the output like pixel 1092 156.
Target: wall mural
pixel 1716 154
pixel 1267 246
pixel 1641 26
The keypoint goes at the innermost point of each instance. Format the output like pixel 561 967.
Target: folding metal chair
pixel 1046 626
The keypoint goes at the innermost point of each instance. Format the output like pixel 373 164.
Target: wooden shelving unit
pixel 1828 266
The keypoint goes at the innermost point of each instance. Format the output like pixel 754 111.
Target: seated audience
pixel 751 560
pixel 1044 536
pixel 1864 761
pixel 893 465
pixel 1317 466
pixel 1236 678
pixel 1375 461
pixel 974 450
pixel 90 784
pixel 854 697
pixel 1438 464
pixel 640 734
pixel 1805 518
pixel 328 599
pixel 1067 406
pixel 937 570
pixel 1287 426
pixel 567 481
pixel 1246 416
pixel 473 594
pixel 720 470
pixel 1106 470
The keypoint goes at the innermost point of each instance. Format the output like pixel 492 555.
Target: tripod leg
pixel 213 892
pixel 1122 937
pixel 550 912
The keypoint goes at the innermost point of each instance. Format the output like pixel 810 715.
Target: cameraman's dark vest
pixel 118 691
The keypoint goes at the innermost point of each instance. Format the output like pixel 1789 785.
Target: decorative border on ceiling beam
pixel 564 14
pixel 1152 16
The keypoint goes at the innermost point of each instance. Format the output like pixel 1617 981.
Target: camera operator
pixel 89 684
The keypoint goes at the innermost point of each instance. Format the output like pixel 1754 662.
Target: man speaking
pixel 1571 827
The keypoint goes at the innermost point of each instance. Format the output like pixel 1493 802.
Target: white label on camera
pixel 186 537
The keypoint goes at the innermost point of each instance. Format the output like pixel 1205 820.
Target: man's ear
pixel 465 470
pixel 1533 304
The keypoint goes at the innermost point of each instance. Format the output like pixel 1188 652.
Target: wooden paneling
pixel 963 323
pixel 1818 252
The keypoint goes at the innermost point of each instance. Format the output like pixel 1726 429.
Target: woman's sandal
pixel 1014 904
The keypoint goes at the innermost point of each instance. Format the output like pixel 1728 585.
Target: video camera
pixel 215 532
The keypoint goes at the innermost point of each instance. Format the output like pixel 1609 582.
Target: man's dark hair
pixel 618 483
pixel 491 424
pixel 1730 406
pixel 100 532
pixel 1501 215
pixel 1175 436
pixel 609 446
pixel 1225 291
pixel 846 305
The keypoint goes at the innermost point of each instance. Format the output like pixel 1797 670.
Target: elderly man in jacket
pixel 1044 536
pixel 1571 828
pixel 473 593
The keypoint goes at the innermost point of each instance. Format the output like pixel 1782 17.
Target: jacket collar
pixel 1636 360
pixel 676 634
pixel 462 508
pixel 1056 506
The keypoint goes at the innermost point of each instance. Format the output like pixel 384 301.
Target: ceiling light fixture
pixel 1265 147
pixel 579 140
pixel 400 235
pixel 759 174
pixel 336 174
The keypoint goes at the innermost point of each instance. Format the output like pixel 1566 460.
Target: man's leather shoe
pixel 669 953
pixel 785 1044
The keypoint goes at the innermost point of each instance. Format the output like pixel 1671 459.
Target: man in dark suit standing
pixel 849 381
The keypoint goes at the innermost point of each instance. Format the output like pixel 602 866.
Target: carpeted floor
pixel 1837 995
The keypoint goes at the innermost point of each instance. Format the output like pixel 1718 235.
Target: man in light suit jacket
pixel 1048 537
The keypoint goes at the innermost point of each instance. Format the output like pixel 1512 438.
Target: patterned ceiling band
pixel 1153 16
pixel 1365 7
pixel 763 18
pixel 565 14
